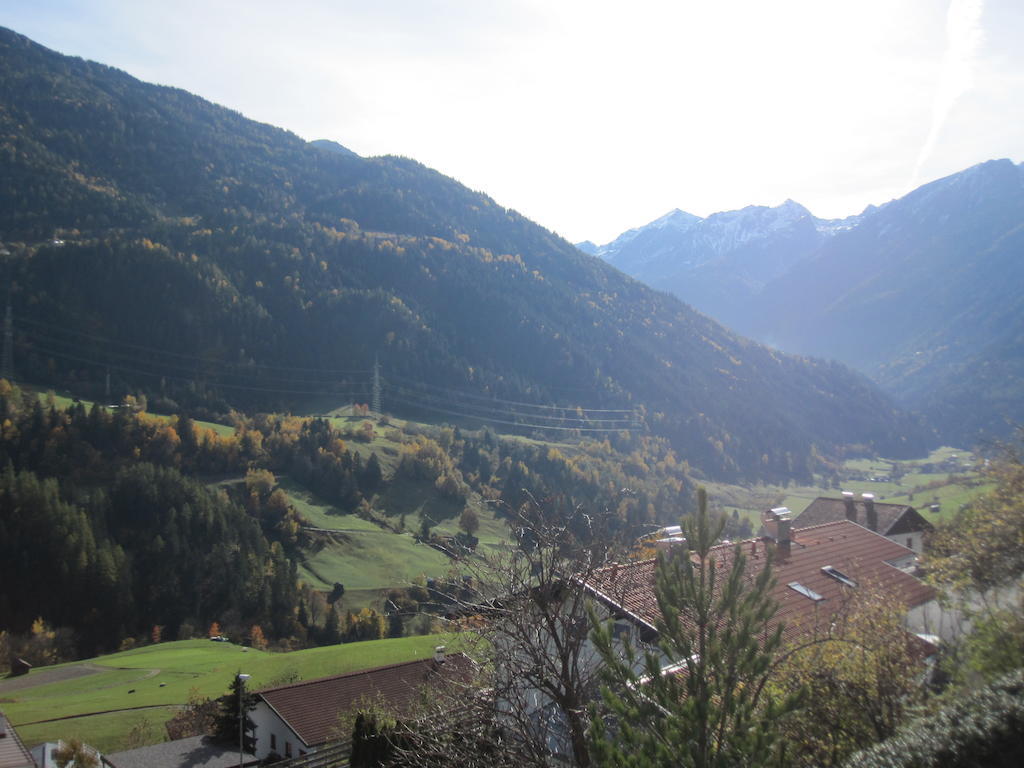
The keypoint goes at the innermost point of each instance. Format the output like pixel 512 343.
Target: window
pixel 910 542
pixel 273 742
pixel 805 591
pixel 287 749
pixel 839 576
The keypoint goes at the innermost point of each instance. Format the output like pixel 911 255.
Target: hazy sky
pixel 591 117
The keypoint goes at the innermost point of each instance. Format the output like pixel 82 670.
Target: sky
pixel 591 117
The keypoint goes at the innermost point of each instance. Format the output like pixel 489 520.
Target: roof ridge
pixel 829 522
pixel 353 673
pixel 850 522
pixel 861 502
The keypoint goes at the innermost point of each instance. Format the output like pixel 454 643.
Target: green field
pixel 363 556
pixel 371 561
pixel 319 513
pixel 162 677
pixel 951 491
pixel 66 401
pixel 368 558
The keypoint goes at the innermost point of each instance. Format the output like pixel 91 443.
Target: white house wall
pixel 269 723
pixel 914 541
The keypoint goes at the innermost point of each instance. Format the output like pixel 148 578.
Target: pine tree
pixel 372 476
pixel 712 709
pixel 331 634
pixel 226 725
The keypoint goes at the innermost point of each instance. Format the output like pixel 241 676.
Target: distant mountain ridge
pixel 921 293
pixel 333 146
pixel 924 295
pixel 243 266
pixel 718 263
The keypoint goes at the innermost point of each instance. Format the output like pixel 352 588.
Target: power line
pixel 113 343
pixel 64 344
pixel 7 363
pixel 470 409
pixel 474 396
pixel 376 385
pixel 236 370
pixel 191 379
pixel 521 425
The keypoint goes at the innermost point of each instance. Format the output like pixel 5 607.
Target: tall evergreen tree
pixel 712 708
pixel 228 717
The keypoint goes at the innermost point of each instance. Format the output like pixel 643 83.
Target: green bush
pixel 985 728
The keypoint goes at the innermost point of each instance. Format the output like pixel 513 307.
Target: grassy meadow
pixel 925 481
pixel 101 700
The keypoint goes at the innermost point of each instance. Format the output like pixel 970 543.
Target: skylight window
pixel 839 576
pixel 805 591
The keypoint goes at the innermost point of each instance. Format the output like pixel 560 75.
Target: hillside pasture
pixel 925 481
pixel 103 698
pixel 369 561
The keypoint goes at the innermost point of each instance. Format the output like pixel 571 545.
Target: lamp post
pixel 241 718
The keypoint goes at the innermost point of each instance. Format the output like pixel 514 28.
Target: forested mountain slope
pixel 223 262
pixel 718 264
pixel 921 294
pixel 924 296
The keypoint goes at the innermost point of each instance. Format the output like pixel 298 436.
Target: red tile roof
pixel 312 708
pixel 856 552
pixel 12 752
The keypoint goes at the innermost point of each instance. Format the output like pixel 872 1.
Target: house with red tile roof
pixel 816 570
pixel 899 522
pixel 297 719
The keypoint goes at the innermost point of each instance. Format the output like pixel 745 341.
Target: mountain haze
pixel 921 294
pixel 242 266
pixel 924 296
pixel 719 263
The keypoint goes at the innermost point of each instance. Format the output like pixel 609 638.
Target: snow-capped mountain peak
pixel 676 218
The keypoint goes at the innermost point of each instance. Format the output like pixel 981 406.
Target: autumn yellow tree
pixel 977 560
pixel 855 684
pixel 257 639
pixel 74 753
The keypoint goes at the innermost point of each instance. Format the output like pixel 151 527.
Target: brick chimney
pixel 872 513
pixel 851 511
pixel 778 524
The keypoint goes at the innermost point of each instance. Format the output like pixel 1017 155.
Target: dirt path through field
pixel 44 676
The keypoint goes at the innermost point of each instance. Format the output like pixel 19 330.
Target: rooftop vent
pixel 838 575
pixel 851 511
pixel 872 513
pixel 777 523
pixel 805 591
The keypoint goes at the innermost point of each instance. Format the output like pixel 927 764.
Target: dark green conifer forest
pixel 221 262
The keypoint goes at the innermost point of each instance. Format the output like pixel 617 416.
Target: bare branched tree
pixel 527 606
